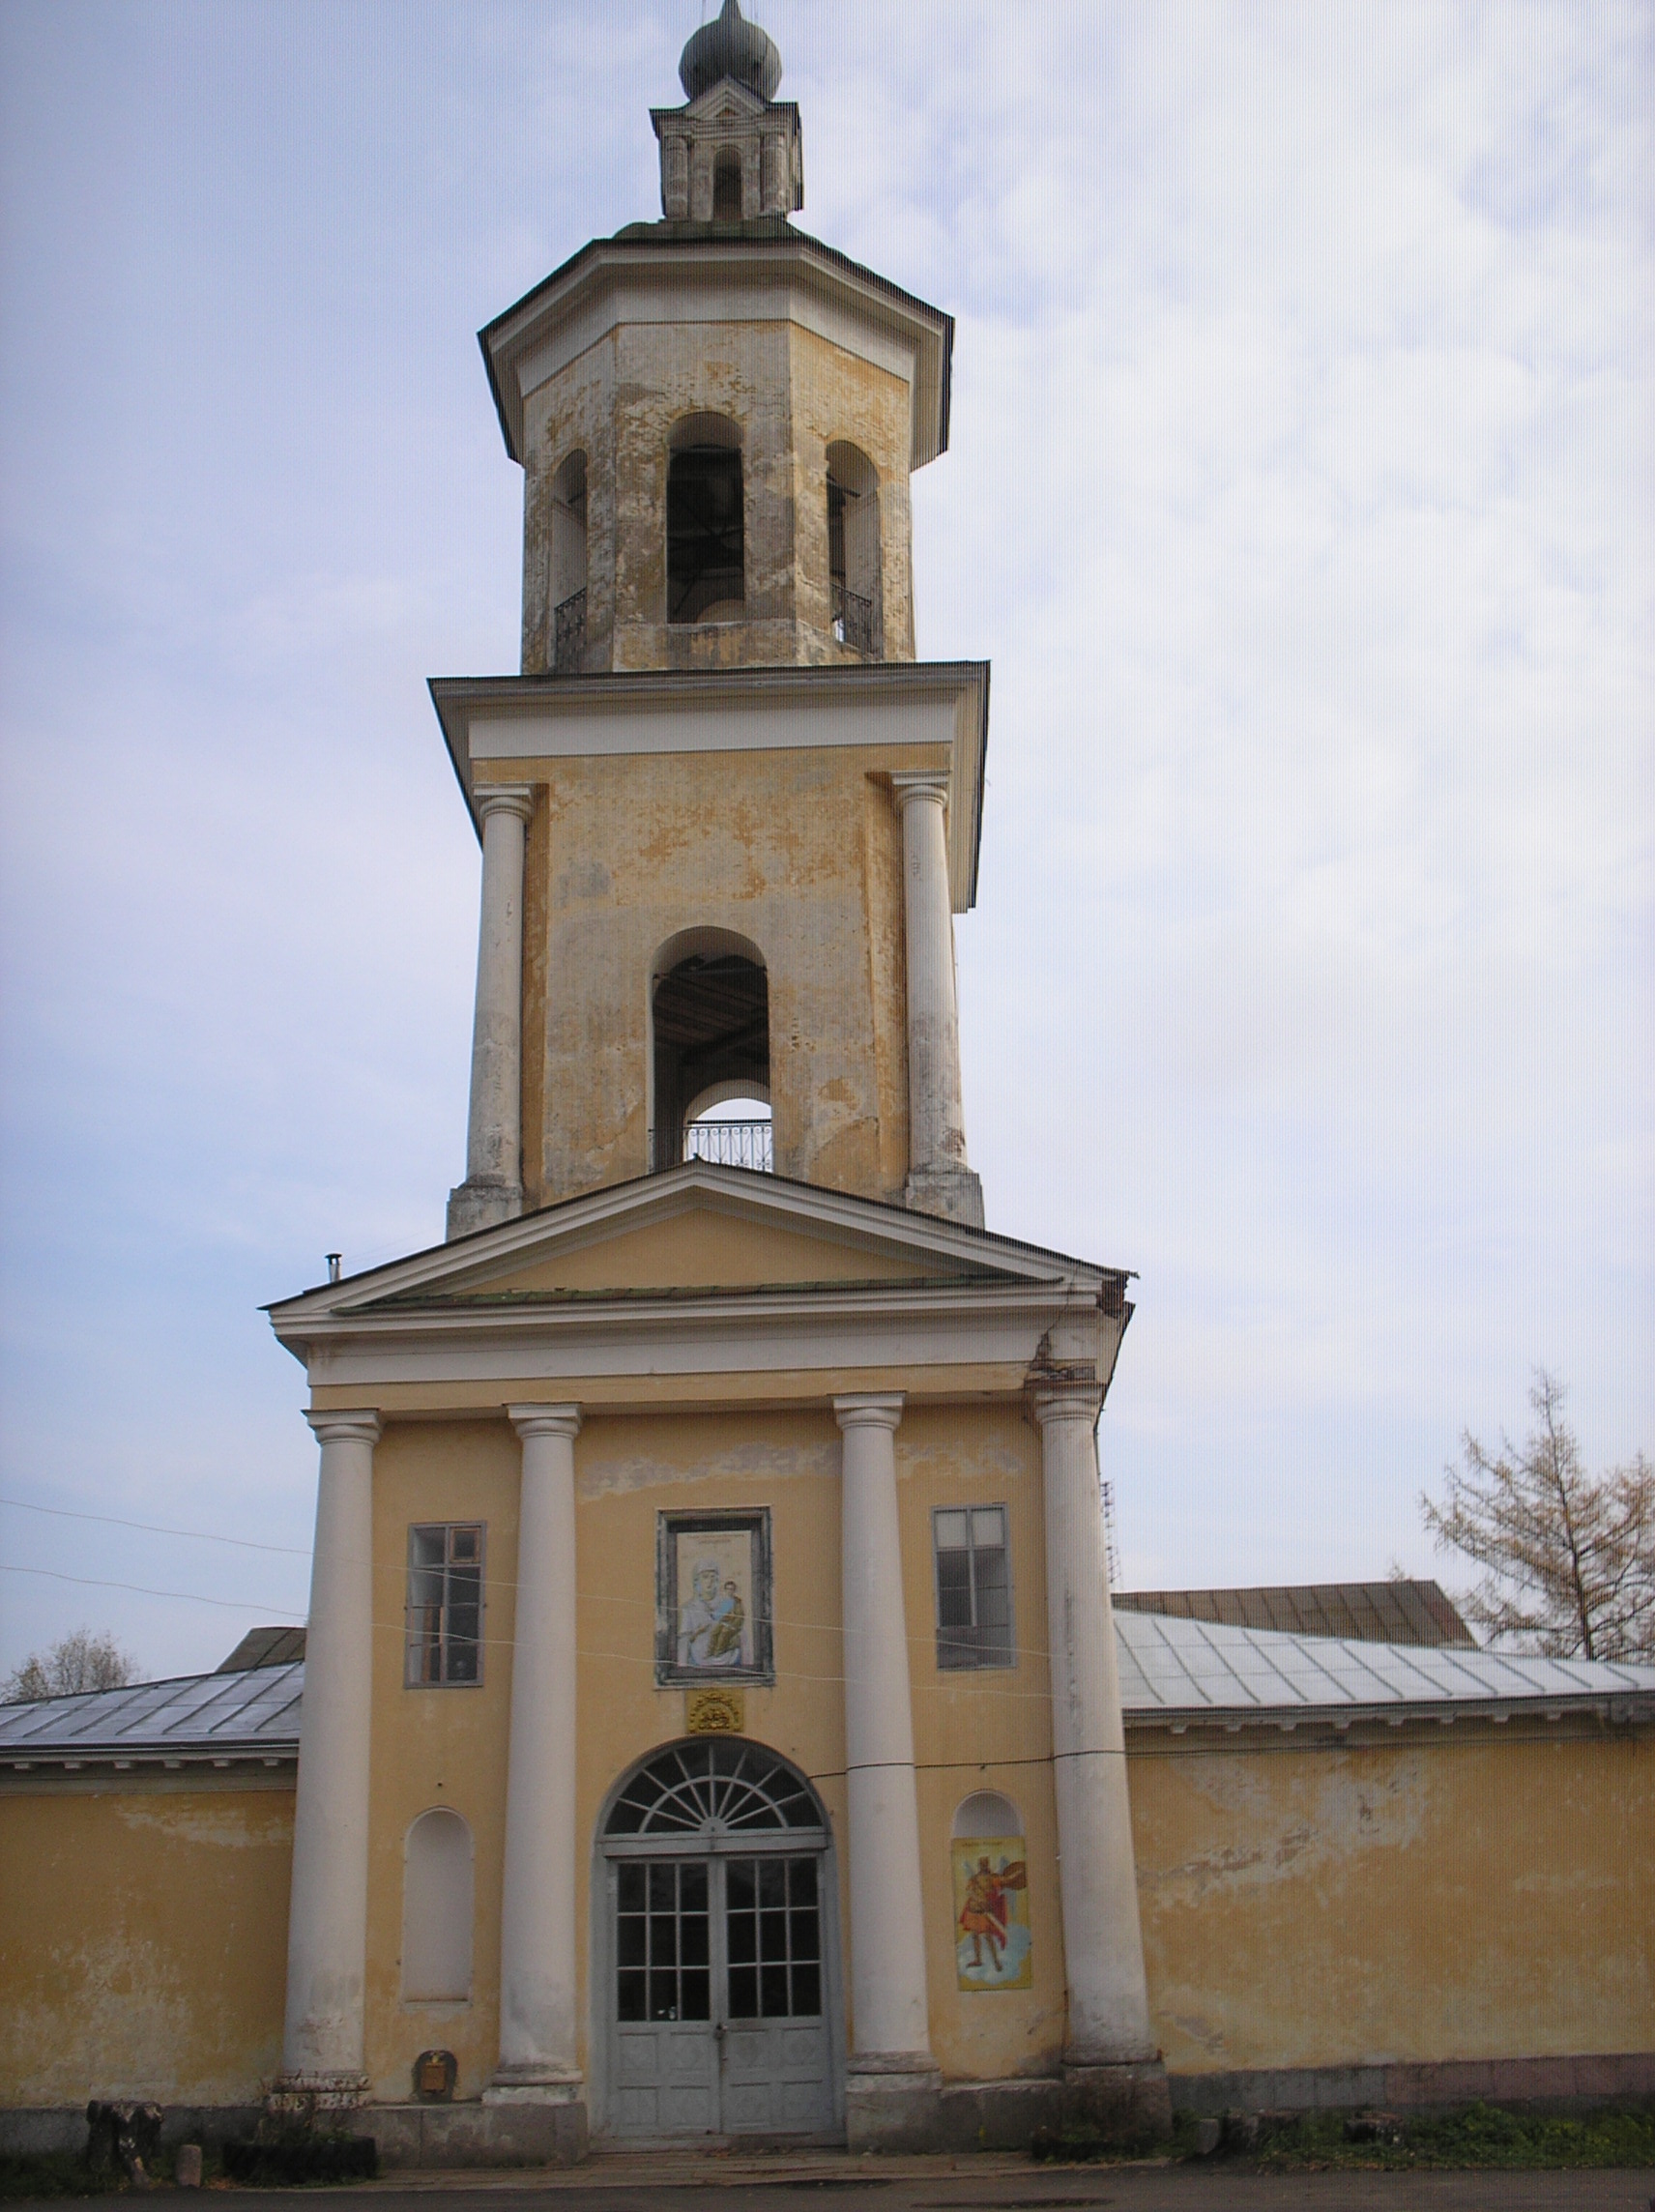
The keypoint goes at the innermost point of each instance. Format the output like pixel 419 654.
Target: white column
pixel 538 2047
pixel 493 1188
pixel 1103 1943
pixel 327 1931
pixel 939 1179
pixel 890 2028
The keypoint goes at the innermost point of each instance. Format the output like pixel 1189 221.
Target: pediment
pixel 698 1232
pixel 725 102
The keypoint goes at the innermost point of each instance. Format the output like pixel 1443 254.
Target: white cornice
pixel 743 1334
pixel 940 704
pixel 653 276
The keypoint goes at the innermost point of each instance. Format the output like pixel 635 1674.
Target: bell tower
pixel 726 815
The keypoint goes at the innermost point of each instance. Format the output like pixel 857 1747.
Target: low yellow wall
pixel 144 1937
pixel 1463 1895
pixel 1466 1894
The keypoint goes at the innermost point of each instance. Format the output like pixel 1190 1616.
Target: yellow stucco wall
pixel 798 854
pixel 791 392
pixel 972 1732
pixel 1461 1894
pixel 143 1941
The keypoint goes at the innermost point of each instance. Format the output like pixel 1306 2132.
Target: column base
pixel 512 2088
pixel 896 2106
pixel 482 1205
pixel 307 2093
pixel 1128 2101
pixel 954 1192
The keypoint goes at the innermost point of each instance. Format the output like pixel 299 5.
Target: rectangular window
pixel 973 1587
pixel 445 1604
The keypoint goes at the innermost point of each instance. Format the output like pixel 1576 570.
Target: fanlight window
pixel 732 1786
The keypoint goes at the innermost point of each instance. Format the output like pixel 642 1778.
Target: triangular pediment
pixel 726 102
pixel 703 1232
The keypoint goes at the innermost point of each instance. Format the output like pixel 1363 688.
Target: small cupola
pixel 733 154
pixel 730 47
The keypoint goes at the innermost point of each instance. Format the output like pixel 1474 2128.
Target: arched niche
pixel 854 550
pixel 707 574
pixel 986 1813
pixel 437 1908
pixel 710 1031
pixel 568 565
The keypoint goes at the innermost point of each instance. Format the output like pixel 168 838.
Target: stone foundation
pixel 463 2135
pixel 922 2112
pixel 1559 2084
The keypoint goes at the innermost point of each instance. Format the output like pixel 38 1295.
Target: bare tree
pixel 76 1664
pixel 1568 1559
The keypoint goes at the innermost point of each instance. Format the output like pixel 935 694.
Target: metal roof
pixel 1191 1670
pixel 212 1719
pixel 1174 1674
pixel 1391 1611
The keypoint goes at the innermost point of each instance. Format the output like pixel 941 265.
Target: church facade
pixel 710 1601
pixel 712 1718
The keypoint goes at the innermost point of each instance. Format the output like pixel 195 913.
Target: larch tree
pixel 1568 1559
pixel 77 1663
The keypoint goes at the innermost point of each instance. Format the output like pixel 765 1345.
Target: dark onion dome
pixel 731 46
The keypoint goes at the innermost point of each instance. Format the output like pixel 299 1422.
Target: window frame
pixel 414 1641
pixel 954 1656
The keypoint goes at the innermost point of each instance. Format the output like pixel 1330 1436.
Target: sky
pixel 1300 492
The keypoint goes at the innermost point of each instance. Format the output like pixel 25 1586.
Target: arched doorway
pixel 716 1985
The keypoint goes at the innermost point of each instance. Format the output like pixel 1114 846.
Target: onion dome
pixel 731 46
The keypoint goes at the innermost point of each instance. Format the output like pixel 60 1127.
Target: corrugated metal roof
pixel 253 1714
pixel 1171 1672
pixel 1199 1670
pixel 1391 1611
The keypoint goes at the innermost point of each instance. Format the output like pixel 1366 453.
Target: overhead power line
pixel 154 1528
pixel 142 1589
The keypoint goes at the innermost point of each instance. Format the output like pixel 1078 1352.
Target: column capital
pixel 1065 1396
pixel 546 1420
pixel 362 1426
pixel 932 784
pixel 868 1410
pixel 516 798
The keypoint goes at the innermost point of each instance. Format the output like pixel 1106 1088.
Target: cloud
pixel 1299 491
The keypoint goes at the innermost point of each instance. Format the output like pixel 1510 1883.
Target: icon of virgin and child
pixel 712 1630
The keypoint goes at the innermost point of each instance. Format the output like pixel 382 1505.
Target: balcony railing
pixel 854 621
pixel 569 641
pixel 732 1144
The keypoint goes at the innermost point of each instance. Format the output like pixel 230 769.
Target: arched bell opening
pixel 706 575
pixel 568 565
pixel 854 550
pixel 715 1948
pixel 726 186
pixel 709 1027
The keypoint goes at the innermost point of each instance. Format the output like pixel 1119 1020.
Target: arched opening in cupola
pixel 710 1023
pixel 726 186
pixel 706 523
pixel 568 565
pixel 853 549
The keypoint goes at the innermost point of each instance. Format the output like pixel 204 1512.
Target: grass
pixel 1477 2135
